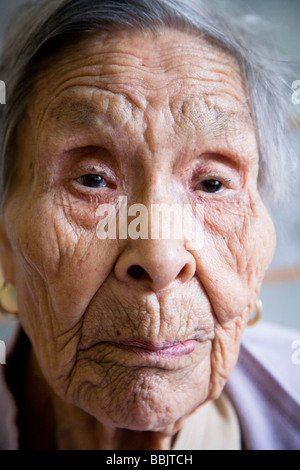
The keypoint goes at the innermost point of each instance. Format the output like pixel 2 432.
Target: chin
pixel 143 409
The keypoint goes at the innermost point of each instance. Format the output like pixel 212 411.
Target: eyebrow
pixel 74 113
pixel 230 120
pixel 213 119
pixel 216 119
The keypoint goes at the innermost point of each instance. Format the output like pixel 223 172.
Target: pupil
pixel 211 186
pixel 92 181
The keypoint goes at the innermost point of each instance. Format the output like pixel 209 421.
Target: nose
pixel 155 264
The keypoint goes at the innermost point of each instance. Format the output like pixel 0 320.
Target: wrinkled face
pixel 137 332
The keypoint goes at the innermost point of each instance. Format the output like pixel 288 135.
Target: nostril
pixel 137 272
pixel 185 272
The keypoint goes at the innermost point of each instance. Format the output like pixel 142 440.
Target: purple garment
pixel 264 389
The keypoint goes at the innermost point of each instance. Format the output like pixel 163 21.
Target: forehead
pixel 166 69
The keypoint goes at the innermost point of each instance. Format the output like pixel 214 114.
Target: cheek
pixel 239 244
pixel 57 259
pixel 59 266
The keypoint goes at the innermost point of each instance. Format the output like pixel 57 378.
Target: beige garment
pixel 213 426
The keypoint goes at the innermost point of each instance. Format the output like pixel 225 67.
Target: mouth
pixel 145 348
pixel 141 352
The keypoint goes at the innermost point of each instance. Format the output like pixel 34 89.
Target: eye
pixel 210 186
pixel 92 181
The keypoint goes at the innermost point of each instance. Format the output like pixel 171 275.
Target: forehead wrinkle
pixel 108 69
pixel 119 78
pixel 205 117
pixel 119 70
pixel 89 107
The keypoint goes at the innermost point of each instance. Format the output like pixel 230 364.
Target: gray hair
pixel 43 25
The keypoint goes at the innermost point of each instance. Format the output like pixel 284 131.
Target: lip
pixel 144 348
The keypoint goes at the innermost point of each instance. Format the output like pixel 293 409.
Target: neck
pixel 73 428
pixel 78 430
pixel 89 434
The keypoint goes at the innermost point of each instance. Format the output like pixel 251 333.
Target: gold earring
pixel 8 301
pixel 259 308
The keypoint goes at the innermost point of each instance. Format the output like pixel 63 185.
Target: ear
pixel 6 254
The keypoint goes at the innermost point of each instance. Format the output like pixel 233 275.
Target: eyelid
pixel 92 169
pixel 215 165
pixel 215 177
pixel 204 173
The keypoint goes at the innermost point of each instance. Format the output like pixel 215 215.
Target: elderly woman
pixel 127 342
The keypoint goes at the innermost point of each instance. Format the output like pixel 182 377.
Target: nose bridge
pixel 157 206
pixel 160 152
pixel 159 197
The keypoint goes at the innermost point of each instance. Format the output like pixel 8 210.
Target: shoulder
pixel 16 353
pixel 8 412
pixel 265 387
pixel 277 348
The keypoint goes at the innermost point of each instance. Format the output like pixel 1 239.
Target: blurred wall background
pixel 281 18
